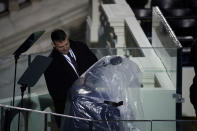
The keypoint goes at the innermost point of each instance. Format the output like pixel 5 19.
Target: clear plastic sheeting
pixel 107 91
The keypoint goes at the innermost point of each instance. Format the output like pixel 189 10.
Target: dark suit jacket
pixel 193 88
pixel 60 75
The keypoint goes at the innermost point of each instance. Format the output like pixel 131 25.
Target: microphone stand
pixel 16 57
pixel 32 74
pixel 24 47
pixel 23 88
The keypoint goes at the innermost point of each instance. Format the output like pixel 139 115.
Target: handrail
pixel 73 117
pixel 157 11
pixel 43 112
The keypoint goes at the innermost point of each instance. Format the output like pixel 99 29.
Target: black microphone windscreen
pixel 36 68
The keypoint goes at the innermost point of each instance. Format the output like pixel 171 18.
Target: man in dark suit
pixel 193 88
pixel 70 60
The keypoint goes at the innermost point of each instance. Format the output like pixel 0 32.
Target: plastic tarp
pixel 107 91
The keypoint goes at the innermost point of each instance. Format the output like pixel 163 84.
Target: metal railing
pixel 133 125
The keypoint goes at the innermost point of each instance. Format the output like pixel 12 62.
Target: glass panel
pixel 29 120
pixel 122 125
pixel 10 118
pixel 36 121
pixel 168 57
pixel 163 36
pixel 164 126
pixel 149 62
pixel 75 124
pixel 180 125
pixel 43 121
pixel 7 66
pixel 156 80
pixel 17 119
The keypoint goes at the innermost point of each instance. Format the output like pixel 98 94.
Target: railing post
pixel 179 83
pixel 91 125
pixel 2 119
pixel 45 121
pixel 29 61
pixel 26 115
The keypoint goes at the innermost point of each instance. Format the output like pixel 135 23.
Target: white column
pixel 93 22
pixel 116 14
pixel 119 31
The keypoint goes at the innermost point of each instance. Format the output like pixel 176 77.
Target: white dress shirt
pixel 69 61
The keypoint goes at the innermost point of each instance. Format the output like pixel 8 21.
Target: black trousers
pixel 193 97
pixel 59 108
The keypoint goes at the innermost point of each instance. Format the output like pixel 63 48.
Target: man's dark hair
pixel 58 35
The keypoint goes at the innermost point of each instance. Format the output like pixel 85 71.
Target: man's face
pixel 62 46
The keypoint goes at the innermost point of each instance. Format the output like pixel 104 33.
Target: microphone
pixel 36 68
pixel 28 43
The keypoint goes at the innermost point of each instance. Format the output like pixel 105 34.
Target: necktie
pixel 72 60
